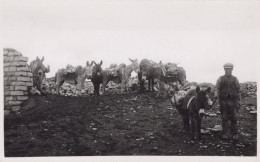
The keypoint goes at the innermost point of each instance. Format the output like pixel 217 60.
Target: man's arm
pixel 217 88
pixel 238 89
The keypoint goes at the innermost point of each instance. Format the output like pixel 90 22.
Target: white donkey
pixel 79 76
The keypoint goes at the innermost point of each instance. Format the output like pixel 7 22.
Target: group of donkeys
pixel 197 99
pixel 147 70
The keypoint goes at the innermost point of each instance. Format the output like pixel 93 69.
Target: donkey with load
pixel 165 74
pixel 76 74
pixel 191 105
pixel 118 74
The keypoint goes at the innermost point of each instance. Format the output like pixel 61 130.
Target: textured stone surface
pixel 26 79
pixel 17 79
pixel 17 93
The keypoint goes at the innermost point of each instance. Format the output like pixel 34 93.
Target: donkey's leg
pixel 159 89
pixel 98 87
pixel 149 82
pixel 58 85
pixel 153 84
pixel 104 88
pixel 187 121
pixel 95 88
pixel 199 127
pixel 192 127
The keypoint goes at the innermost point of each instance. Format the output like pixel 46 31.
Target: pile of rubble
pixel 70 89
pixel 248 89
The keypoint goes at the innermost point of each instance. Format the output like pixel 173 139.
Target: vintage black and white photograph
pixel 173 79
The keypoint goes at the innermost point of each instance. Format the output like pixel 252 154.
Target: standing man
pixel 228 92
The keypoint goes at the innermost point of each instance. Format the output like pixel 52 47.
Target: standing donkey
pixel 193 110
pixel 150 71
pixel 38 71
pixel 123 77
pixel 97 77
pixel 79 76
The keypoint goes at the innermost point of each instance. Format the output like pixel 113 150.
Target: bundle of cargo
pixel 171 69
pixel 69 69
pixel 113 70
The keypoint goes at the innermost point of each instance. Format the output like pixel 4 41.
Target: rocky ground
pixel 121 124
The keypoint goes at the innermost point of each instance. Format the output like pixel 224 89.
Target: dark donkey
pixel 38 72
pixel 193 110
pixel 97 77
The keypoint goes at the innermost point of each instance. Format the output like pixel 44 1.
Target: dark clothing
pixel 228 87
pixel 229 108
pixel 229 96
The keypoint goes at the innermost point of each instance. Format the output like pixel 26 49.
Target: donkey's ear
pixel 95 63
pixel 42 59
pixel 198 89
pixel 208 90
pixel 101 62
pixel 92 63
pixel 87 63
pixel 131 60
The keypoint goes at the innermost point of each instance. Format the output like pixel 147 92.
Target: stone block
pixel 18 64
pixel 29 84
pixel 7 93
pixel 6 112
pixel 21 73
pixel 6 88
pixel 12 68
pixel 23 69
pixel 22 98
pixel 5 52
pixel 7 64
pixel 8 74
pixel 12 79
pixel 29 74
pixel 22 88
pixel 21 58
pixel 16 108
pixel 16 53
pixel 18 83
pixel 11 88
pixel 17 93
pixel 8 59
pixel 25 79
pixel 6 68
pixel 15 102
pixel 10 53
pixel 9 98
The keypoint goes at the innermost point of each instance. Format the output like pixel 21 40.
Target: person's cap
pixel 228 65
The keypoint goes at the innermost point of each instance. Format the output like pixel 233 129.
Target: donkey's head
pixel 89 69
pixel 203 100
pixel 38 68
pixel 97 69
pixel 135 65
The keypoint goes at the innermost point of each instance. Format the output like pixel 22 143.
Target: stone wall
pixel 17 78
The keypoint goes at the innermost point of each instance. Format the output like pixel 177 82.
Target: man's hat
pixel 228 65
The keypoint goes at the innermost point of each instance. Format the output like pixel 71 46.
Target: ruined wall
pixel 17 78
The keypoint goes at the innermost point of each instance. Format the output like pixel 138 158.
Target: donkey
pixel 150 71
pixel 123 76
pixel 97 77
pixel 38 71
pixel 79 76
pixel 192 108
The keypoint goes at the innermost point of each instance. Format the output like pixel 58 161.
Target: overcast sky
pixel 199 35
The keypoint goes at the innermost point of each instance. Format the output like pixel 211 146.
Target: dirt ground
pixel 128 124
